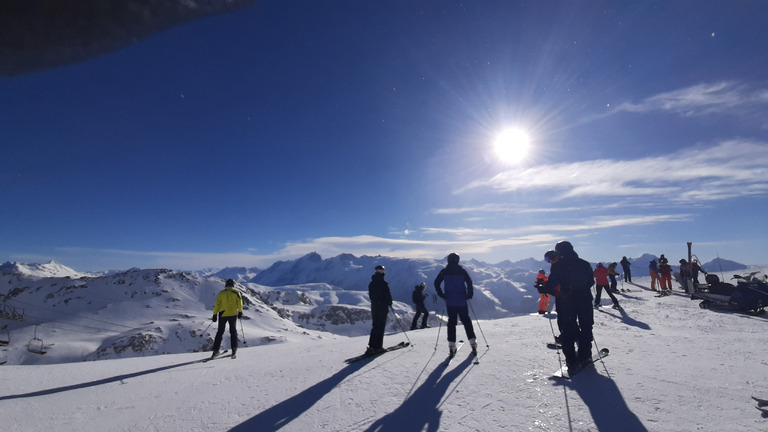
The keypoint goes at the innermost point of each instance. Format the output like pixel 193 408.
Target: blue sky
pixel 368 127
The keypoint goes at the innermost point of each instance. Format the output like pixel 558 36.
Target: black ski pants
pixel 627 275
pixel 575 320
pixel 420 309
pixel 598 294
pixel 378 325
pixel 454 314
pixel 223 321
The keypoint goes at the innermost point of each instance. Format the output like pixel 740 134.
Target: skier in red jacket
pixel 601 282
pixel 541 281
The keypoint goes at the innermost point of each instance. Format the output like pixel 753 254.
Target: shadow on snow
pixel 102 381
pixel 626 319
pixel 281 414
pixel 421 410
pixel 605 402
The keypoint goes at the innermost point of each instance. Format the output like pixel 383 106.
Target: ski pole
pixel 206 329
pixel 242 330
pixel 557 347
pixel 594 341
pixel 400 324
pixel 439 325
pixel 478 323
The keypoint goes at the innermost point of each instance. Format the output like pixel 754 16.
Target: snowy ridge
pixel 49 269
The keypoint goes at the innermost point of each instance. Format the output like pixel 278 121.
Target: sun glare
pixel 512 145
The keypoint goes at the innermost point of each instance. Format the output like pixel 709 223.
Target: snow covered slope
pixel 673 367
pixel 75 317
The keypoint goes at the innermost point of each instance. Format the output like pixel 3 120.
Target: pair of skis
pixel 223 354
pixel 762 404
pixel 401 345
pixel 460 344
pixel 568 373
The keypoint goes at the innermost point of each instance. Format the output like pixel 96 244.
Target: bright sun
pixel 512 145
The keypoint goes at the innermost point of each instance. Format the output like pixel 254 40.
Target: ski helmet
pixel 563 247
pixel 541 271
pixel 551 256
pixel 380 269
pixel 229 283
pixel 453 258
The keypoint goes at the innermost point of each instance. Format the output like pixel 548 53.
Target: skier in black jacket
pixel 381 301
pixel 418 301
pixel 625 265
pixel 575 317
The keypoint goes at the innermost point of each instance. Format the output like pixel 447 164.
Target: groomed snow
pixel 673 367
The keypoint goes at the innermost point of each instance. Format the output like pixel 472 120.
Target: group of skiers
pixel 570 280
pixel 661 272
pixel 605 280
pixel 457 290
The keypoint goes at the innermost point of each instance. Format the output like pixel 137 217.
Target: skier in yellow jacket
pixel 228 307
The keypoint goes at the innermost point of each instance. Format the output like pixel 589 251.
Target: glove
pixel 214 318
pixel 239 315
pixel 469 296
pixel 441 295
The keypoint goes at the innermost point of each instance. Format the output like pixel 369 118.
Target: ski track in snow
pixel 673 367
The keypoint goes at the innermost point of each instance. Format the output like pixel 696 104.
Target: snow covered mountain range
pixel 74 316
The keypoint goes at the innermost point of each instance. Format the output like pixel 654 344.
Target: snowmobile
pixel 750 294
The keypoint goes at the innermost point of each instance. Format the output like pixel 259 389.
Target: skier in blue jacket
pixel 458 289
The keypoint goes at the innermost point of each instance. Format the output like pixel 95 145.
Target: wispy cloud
pixel 428 242
pixel 431 242
pixel 732 169
pixel 92 259
pixel 703 99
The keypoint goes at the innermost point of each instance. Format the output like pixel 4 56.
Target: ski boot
pixel 473 345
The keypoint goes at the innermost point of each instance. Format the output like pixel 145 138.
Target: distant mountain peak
pixel 49 269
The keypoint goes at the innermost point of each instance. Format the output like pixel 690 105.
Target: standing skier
pixel 666 275
pixel 458 289
pixel 653 270
pixel 625 265
pixel 612 276
pixel 381 301
pixel 541 281
pixel 575 317
pixel 685 275
pixel 696 268
pixel 601 282
pixel 227 309
pixel 418 302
